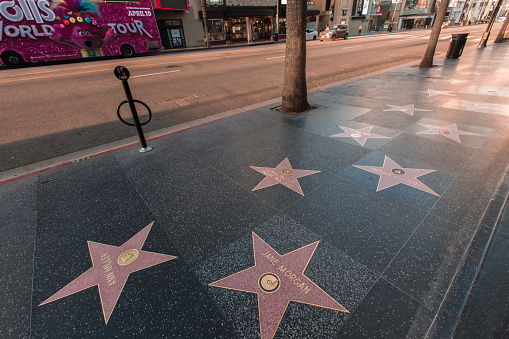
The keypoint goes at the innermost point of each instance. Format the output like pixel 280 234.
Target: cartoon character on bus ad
pixel 81 26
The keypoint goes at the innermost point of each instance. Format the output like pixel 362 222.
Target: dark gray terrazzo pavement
pixel 395 256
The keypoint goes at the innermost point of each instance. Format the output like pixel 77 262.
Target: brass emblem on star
pixel 128 257
pixel 269 283
pixel 398 171
pixel 443 132
pixel 287 172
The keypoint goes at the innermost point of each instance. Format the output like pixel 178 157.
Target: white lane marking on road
pixel 410 39
pixel 282 56
pixel 376 36
pixel 351 47
pixel 146 75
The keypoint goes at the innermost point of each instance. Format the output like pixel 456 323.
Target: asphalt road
pixel 51 110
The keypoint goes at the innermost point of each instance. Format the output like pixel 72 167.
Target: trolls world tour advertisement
pixel 41 29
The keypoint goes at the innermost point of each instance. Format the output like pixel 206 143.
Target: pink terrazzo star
pixel 283 174
pixel 277 280
pixel 392 174
pixel 360 135
pixel 110 269
pixel 408 109
pixel 450 131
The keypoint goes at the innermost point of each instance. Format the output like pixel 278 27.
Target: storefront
pixel 172 33
pixel 416 22
pixel 228 24
pixel 172 16
pixel 418 14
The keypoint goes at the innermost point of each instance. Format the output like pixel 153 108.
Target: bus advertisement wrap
pixel 42 30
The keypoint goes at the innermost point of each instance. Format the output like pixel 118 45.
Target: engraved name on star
pixel 111 266
pixel 449 131
pixel 278 279
pixel 392 174
pixel 360 135
pixel 283 174
pixel 408 109
pixel 432 93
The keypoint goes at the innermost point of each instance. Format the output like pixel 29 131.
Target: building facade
pixel 179 23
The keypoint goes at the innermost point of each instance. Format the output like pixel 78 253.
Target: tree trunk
pixel 465 11
pixel 427 60
pixel 500 36
pixel 205 28
pixel 295 99
pixel 486 35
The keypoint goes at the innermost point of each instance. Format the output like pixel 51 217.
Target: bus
pixel 45 30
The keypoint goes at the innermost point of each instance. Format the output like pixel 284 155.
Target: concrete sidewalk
pixel 362 218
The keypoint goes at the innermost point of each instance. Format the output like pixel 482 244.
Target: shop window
pixel 215 28
pixel 176 37
pixel 239 29
pixel 215 2
pixel 262 28
pixel 282 26
pixel 172 33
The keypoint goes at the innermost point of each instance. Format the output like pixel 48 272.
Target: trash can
pixel 275 37
pixel 457 44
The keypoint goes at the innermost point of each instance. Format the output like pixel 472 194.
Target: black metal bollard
pixel 123 74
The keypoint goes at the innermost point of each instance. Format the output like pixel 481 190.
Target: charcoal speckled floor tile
pixel 468 196
pixel 439 155
pixel 421 187
pixel 322 117
pixel 18 215
pixel 360 134
pixel 427 263
pixel 201 209
pixel 393 119
pixel 387 312
pixel 339 276
pixel 367 226
pixel 93 201
pixel 450 132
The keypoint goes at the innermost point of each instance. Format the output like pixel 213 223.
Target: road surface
pixel 51 110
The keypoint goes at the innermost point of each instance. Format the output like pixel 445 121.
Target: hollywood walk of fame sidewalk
pixel 366 217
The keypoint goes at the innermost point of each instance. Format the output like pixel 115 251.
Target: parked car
pixel 334 32
pixel 311 34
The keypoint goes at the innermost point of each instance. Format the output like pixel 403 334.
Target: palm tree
pixel 486 35
pixel 500 36
pixel 427 60
pixel 295 98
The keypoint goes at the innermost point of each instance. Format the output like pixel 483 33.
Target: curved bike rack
pixel 123 74
pixel 128 123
